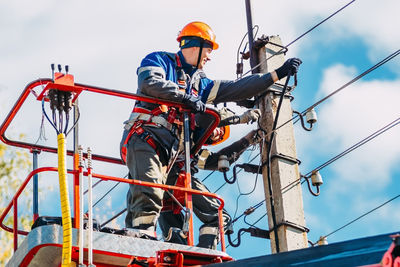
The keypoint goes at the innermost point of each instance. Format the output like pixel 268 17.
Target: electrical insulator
pixel 316 178
pixel 311 116
pixel 322 241
pixel 89 158
pixel 223 163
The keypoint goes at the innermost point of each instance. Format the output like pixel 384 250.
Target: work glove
pixel 291 65
pixel 194 103
pixel 250 115
pixel 253 137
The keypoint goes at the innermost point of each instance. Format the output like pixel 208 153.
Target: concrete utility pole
pixel 285 205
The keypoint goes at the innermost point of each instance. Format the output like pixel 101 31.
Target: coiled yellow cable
pixel 65 207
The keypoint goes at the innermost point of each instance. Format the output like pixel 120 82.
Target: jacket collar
pixel 189 69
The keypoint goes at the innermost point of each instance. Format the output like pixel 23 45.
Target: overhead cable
pixel 358 144
pixel 377 65
pixel 348 150
pixel 301 36
pixel 361 216
pixel 225 183
pixel 259 219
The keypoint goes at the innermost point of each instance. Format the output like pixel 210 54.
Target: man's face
pixel 205 56
pixel 191 56
pixel 217 134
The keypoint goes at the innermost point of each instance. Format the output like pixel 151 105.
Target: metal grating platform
pixel 42 247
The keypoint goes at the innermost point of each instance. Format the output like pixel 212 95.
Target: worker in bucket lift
pixel 151 138
pixel 171 219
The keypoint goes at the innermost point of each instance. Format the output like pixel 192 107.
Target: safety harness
pixel 140 117
pixel 173 122
pixel 156 117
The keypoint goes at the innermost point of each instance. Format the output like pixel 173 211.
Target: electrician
pixel 152 134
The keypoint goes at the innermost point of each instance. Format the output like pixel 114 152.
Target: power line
pixel 348 150
pixel 379 64
pixel 245 194
pixel 342 154
pixel 360 143
pixel 363 215
pixel 111 189
pixel 249 210
pixel 208 176
pixel 232 176
pixel 301 36
pixel 259 219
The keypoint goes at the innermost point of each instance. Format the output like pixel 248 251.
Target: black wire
pixel 348 150
pixel 109 191
pixel 208 176
pixel 100 199
pixel 244 49
pixel 75 123
pixel 66 123
pixel 113 217
pixel 225 183
pixel 269 169
pixel 259 219
pixel 93 186
pixel 47 117
pixel 246 194
pixel 301 36
pixel 389 126
pixel 363 215
pixel 360 143
pixel 269 149
pixel 245 221
pixel 259 204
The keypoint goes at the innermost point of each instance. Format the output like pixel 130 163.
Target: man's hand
pixel 291 65
pixel 250 115
pixel 253 137
pixel 194 103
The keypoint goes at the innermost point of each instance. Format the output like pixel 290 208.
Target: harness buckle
pixel 145 136
pixel 137 125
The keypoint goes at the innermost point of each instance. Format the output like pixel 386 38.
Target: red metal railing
pixel 117 93
pixel 13 203
pixel 79 88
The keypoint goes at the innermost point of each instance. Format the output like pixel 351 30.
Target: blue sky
pixel 104 42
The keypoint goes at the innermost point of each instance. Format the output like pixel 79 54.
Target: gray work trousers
pixel 144 203
pixel 205 208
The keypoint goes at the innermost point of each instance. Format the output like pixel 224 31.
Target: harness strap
pixel 181 77
pixel 142 134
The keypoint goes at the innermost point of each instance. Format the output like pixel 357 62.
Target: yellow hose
pixel 65 207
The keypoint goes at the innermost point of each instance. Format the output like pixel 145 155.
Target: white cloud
pixel 352 115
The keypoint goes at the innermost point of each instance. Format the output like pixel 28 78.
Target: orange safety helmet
pixel 221 137
pixel 198 29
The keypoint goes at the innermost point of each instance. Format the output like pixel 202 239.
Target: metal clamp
pixel 292 225
pixel 286 157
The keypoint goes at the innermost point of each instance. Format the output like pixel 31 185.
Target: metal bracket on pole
pixel 286 157
pixel 292 225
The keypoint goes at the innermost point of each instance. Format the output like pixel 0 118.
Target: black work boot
pixel 208 237
pixel 208 241
pixel 145 231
